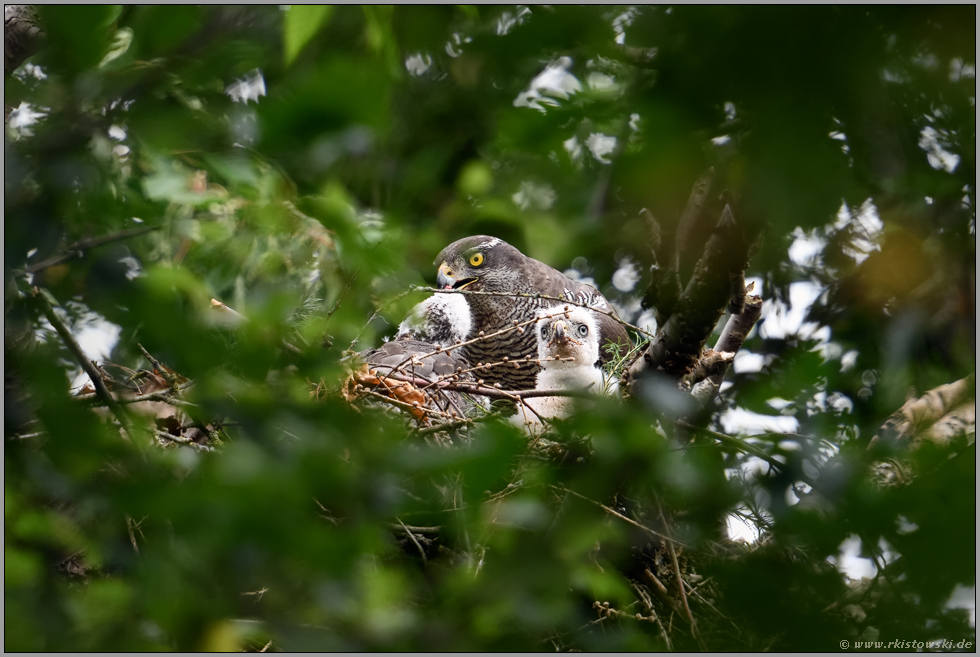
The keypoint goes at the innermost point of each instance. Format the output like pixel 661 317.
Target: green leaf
pixel 302 22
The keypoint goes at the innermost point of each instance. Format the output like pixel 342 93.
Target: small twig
pixel 157 365
pixel 656 582
pixel 493 393
pixel 680 585
pixel 738 444
pixel 411 536
pixel 447 426
pixel 25 436
pixel 417 529
pixel 132 535
pixel 620 516
pixel 87 366
pixel 398 402
pixel 291 348
pixel 649 604
pixel 694 592
pixel 77 249
pixel 343 293
pixel 149 396
pixel 258 594
pixel 163 436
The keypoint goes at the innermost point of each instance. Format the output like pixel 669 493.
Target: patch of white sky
pixel 621 22
pixel 454 46
pixel 96 336
pixel 250 87
pixel 935 142
pixel 534 196
pixel 553 83
pixel 509 20
pixel 787 319
pixel 851 561
pixel 418 63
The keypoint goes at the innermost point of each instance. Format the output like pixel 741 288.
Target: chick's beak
pixel 560 331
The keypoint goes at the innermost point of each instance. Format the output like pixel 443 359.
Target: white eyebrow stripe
pixel 490 243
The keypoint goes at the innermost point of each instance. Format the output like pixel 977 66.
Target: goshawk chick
pixel 568 347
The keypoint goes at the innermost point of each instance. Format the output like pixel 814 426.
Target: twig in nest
pixel 411 537
pixel 680 586
pixel 165 437
pixel 258 594
pixel 649 605
pixel 619 515
pixel 164 372
pixel 132 528
pixel 447 426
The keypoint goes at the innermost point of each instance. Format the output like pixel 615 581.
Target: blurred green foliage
pixel 306 165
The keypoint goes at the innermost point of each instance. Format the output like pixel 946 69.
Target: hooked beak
pixel 446 280
pixel 561 336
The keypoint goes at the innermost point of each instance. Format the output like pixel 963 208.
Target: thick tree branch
pixel 736 330
pixel 21 35
pixel 686 227
pixel 679 341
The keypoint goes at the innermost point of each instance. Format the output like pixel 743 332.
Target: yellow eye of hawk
pixel 476 259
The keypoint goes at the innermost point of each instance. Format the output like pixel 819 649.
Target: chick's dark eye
pixel 583 330
pixel 544 331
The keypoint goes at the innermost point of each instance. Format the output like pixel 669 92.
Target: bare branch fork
pixel 688 316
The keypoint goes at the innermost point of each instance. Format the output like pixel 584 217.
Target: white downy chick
pixel 568 348
pixel 442 319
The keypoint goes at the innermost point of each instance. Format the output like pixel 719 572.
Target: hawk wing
pixel 415 359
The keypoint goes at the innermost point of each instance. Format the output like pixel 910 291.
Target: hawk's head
pixel 480 262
